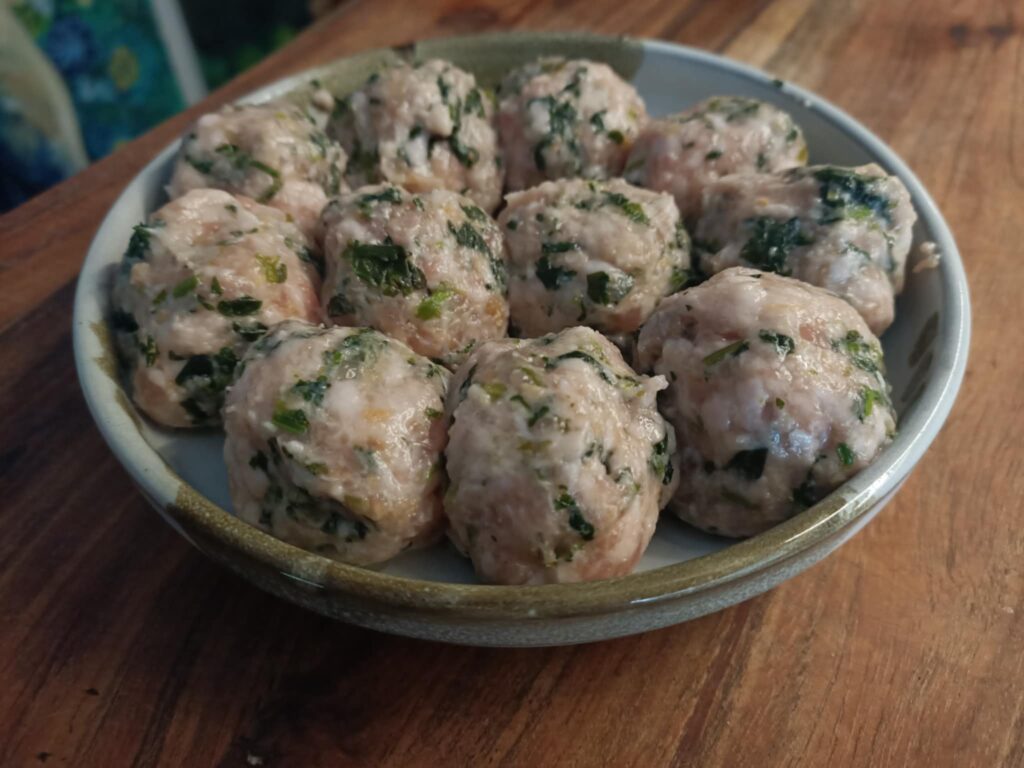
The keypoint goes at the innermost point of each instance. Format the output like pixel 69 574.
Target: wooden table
pixel 120 645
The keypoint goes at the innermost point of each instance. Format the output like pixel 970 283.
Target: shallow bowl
pixel 684 574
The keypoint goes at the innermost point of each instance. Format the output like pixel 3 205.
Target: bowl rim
pixel 183 505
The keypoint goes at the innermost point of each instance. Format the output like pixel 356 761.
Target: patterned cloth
pixel 110 56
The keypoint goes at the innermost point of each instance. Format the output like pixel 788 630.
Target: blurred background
pixel 80 77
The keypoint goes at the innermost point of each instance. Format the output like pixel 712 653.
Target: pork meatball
pixel 422 127
pixel 562 118
pixel 207 275
pixel 426 269
pixel 276 153
pixel 778 395
pixel 558 460
pixel 682 153
pixel 844 229
pixel 334 441
pixel 600 253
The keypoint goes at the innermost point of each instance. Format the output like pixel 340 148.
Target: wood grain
pixel 120 646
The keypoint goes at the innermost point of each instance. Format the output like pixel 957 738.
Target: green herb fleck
pixel 536 414
pixel 578 354
pixel 185 287
pixel 138 245
pixel 203 166
pixel 494 390
pixel 290 420
pixel 559 247
pixel 149 351
pixel 312 391
pixel 846 194
pixel 783 344
pixel 467 236
pixel 606 289
pixel 353 353
pixel 678 279
pixel 273 270
pixel 632 210
pixel 387 195
pixel 566 503
pixel 862 353
pixel 730 350
pixel 551 275
pixel 660 461
pixel 430 307
pixel 466 384
pixel 531 375
pixel 240 307
pixel 771 243
pixel 386 266
pixel 846 454
pixel 367 459
pixel 866 400
pixel 250 332
pixel 474 213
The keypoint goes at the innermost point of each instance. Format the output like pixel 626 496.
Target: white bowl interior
pixel 933 306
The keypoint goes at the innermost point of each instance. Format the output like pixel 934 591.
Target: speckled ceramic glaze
pixel 684 574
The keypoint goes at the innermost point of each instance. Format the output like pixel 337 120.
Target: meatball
pixel 682 153
pixel 276 153
pixel 558 460
pixel 600 253
pixel 562 118
pixel 844 229
pixel 334 441
pixel 427 269
pixel 205 277
pixel 422 127
pixel 778 395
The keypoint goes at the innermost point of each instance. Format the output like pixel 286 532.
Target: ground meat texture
pixel 558 460
pixel 777 393
pixel 334 442
pixel 422 127
pixel 276 153
pixel 844 229
pixel 600 253
pixel 682 153
pixel 562 118
pixel 207 275
pixel 427 269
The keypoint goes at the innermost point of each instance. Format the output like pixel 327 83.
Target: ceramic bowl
pixel 432 594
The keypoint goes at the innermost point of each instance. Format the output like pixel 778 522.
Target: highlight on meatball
pixel 558 460
pixel 207 275
pixel 276 153
pixel 422 127
pixel 683 153
pixel 844 229
pixel 777 393
pixel 600 253
pixel 563 118
pixel 427 269
pixel 334 442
